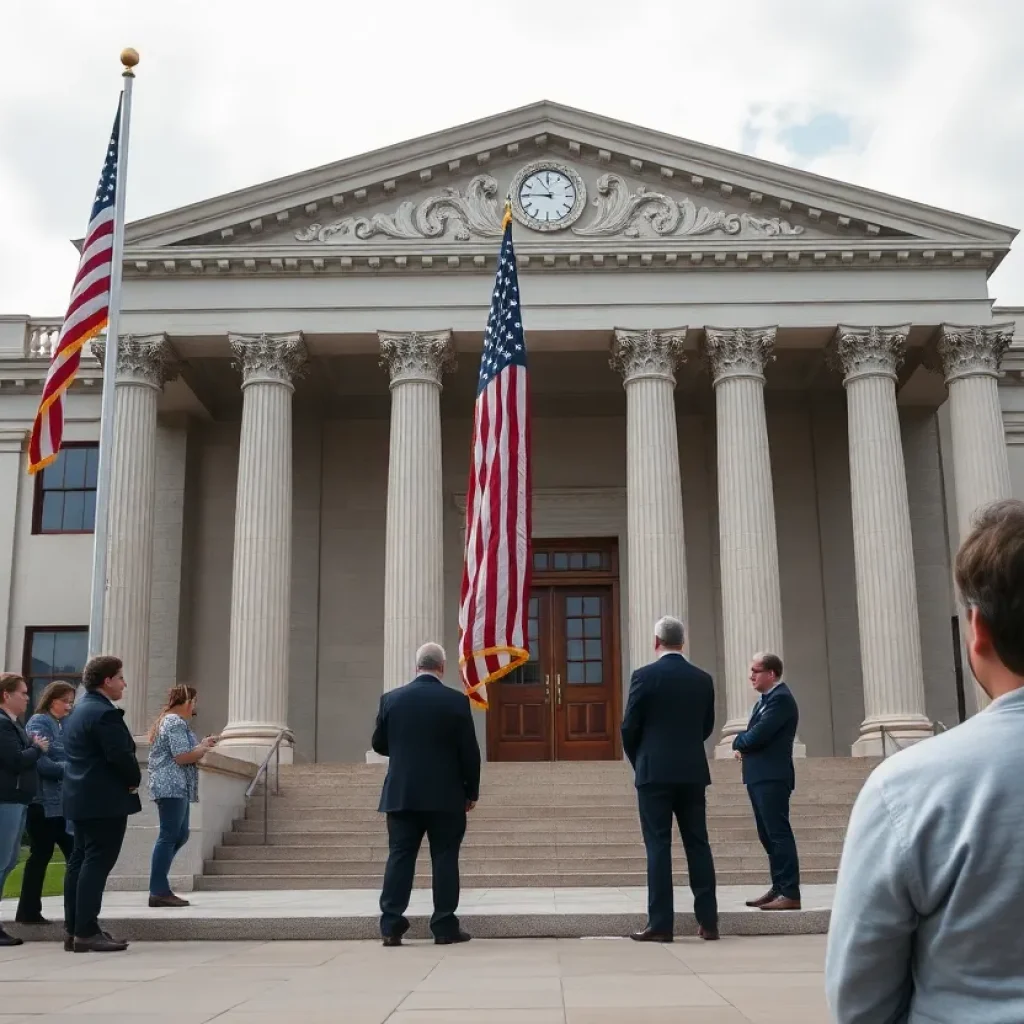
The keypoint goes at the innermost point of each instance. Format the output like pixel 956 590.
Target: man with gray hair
pixel 669 716
pixel 426 730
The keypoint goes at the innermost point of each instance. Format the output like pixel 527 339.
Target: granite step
pixel 483 850
pixel 507 837
pixel 263 880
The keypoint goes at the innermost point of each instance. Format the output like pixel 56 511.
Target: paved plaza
pixel 769 980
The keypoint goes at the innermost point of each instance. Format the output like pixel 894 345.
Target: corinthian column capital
pixel 972 351
pixel 739 351
pixel 141 359
pixel 868 351
pixel 417 356
pixel 269 358
pixel 648 353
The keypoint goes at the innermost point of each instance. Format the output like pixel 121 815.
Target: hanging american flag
pixel 86 316
pixel 496 575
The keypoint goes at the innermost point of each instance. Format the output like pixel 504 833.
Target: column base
pixel 372 757
pixel 253 743
pixel 899 733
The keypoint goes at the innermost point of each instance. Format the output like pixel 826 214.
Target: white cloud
pixel 232 93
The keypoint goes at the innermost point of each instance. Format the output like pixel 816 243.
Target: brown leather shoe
pixel 648 936
pixel 170 900
pixel 762 900
pixel 781 903
pixel 708 934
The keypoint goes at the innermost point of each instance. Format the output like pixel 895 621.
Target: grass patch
pixel 53 884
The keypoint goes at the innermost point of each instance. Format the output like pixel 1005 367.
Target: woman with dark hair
pixel 45 821
pixel 174 756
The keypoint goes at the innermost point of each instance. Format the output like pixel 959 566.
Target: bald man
pixel 426 730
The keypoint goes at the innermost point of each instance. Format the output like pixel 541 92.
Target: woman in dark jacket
pixel 19 779
pixel 45 820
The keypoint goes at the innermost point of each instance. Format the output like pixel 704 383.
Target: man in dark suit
pixel 766 749
pixel 669 715
pixel 426 730
pixel 101 783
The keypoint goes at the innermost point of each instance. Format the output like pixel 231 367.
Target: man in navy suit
pixel 426 730
pixel 101 789
pixel 669 715
pixel 766 749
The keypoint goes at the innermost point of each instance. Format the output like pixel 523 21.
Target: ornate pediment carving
pixel 470 213
pixel 618 209
pixel 621 211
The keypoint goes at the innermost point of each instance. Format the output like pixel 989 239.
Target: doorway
pixel 563 704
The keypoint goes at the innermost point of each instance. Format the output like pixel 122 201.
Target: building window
pixel 65 500
pixel 53 652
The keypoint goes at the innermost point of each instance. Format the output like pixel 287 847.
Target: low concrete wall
pixel 222 784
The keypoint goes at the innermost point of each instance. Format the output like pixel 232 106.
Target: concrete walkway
pixel 580 981
pixel 487 913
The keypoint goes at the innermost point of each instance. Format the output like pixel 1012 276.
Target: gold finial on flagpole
pixel 129 58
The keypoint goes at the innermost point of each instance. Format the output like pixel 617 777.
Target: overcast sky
pixel 920 98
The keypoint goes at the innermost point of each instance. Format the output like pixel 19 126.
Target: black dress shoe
pixel 451 940
pixel 395 938
pixel 69 941
pixel 9 940
pixel 708 934
pixel 648 936
pixel 38 919
pixel 99 944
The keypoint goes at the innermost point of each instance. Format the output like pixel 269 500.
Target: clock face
pixel 548 196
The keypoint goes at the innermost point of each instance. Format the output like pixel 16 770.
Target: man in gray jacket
pixel 928 921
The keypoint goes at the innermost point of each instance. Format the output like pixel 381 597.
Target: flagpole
pixel 108 408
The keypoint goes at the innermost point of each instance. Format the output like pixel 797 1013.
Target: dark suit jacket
pixel 669 714
pixel 767 745
pixel 426 729
pixel 19 759
pixel 101 766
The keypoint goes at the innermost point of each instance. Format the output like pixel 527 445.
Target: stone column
pixel 970 358
pixel 261 576
pixel 647 361
pixel 890 633
pixel 749 551
pixel 414 549
pixel 981 470
pixel 144 364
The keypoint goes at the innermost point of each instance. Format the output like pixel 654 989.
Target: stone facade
pixel 791 470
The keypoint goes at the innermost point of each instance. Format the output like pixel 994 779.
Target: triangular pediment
pixel 631 188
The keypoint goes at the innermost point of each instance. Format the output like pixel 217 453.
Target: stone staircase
pixel 568 824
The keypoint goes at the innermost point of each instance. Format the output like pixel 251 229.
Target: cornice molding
pixel 1013 423
pixel 404 257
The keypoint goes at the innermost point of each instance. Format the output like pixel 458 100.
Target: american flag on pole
pixel 86 316
pixel 496 575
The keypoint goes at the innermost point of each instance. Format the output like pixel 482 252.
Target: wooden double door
pixel 563 704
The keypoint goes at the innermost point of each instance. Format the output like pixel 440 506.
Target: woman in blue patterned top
pixel 45 823
pixel 174 757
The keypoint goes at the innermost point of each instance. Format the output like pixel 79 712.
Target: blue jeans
pixel 173 836
pixel 12 825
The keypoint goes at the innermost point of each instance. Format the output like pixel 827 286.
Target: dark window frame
pixel 40 490
pixel 26 660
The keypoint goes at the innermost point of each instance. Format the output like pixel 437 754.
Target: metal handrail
pixel 885 733
pixel 263 772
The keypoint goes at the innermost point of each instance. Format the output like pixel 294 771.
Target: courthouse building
pixel 762 400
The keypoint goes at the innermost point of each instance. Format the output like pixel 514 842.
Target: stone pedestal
pixel 647 360
pixel 970 358
pixel 144 364
pixel 749 554
pixel 261 577
pixel 890 637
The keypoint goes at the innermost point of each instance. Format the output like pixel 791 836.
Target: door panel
pixel 519 720
pixel 584 674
